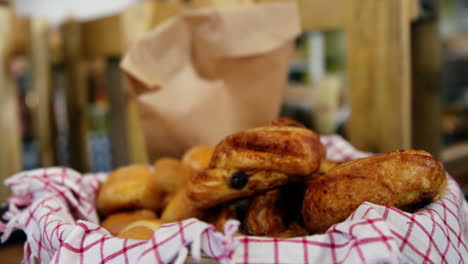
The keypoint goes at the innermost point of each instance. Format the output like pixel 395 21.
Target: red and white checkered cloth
pixel 56 197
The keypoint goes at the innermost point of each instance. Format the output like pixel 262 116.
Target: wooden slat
pixel 426 97
pixel 42 87
pixel 378 66
pixel 118 118
pixel 136 22
pixel 10 139
pixel 76 93
pixel 102 37
pixel 20 35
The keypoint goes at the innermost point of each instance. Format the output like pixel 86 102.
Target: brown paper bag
pixel 207 73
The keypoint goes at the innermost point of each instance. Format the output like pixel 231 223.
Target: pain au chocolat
pixel 256 160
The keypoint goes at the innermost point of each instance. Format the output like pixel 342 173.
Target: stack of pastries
pixel 274 179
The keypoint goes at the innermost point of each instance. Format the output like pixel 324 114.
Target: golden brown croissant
pixel 404 179
pixel 129 188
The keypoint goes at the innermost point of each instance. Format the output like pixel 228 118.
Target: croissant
pixel 403 179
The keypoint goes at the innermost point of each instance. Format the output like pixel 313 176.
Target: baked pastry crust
pixel 288 149
pixel 403 179
pixel 265 215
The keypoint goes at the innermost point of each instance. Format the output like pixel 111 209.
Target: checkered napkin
pixel 55 198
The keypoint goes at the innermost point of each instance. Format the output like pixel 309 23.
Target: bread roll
pixel 141 229
pixel 129 187
pixel 114 223
pixel 171 174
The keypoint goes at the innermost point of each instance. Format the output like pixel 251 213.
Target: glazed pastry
pixel 403 179
pixel 114 223
pixel 180 208
pixel 265 215
pixel 198 158
pixel 215 186
pixel 141 229
pixel 171 174
pixel 279 147
pixel 256 160
pixel 129 188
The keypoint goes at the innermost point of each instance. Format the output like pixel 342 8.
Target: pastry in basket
pixel 265 215
pixel 277 147
pixel 114 223
pixel 171 174
pixel 215 186
pixel 403 179
pixel 129 187
pixel 198 158
pixel 141 229
pixel 256 160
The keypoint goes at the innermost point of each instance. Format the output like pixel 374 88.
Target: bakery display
pixel 274 179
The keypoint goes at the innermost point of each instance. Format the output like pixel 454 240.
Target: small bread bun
pixel 171 174
pixel 129 188
pixel 114 223
pixel 198 158
pixel 141 229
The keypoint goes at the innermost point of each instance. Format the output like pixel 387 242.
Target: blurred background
pixel 396 78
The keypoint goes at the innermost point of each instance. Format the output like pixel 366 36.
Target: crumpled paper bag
pixel 207 73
